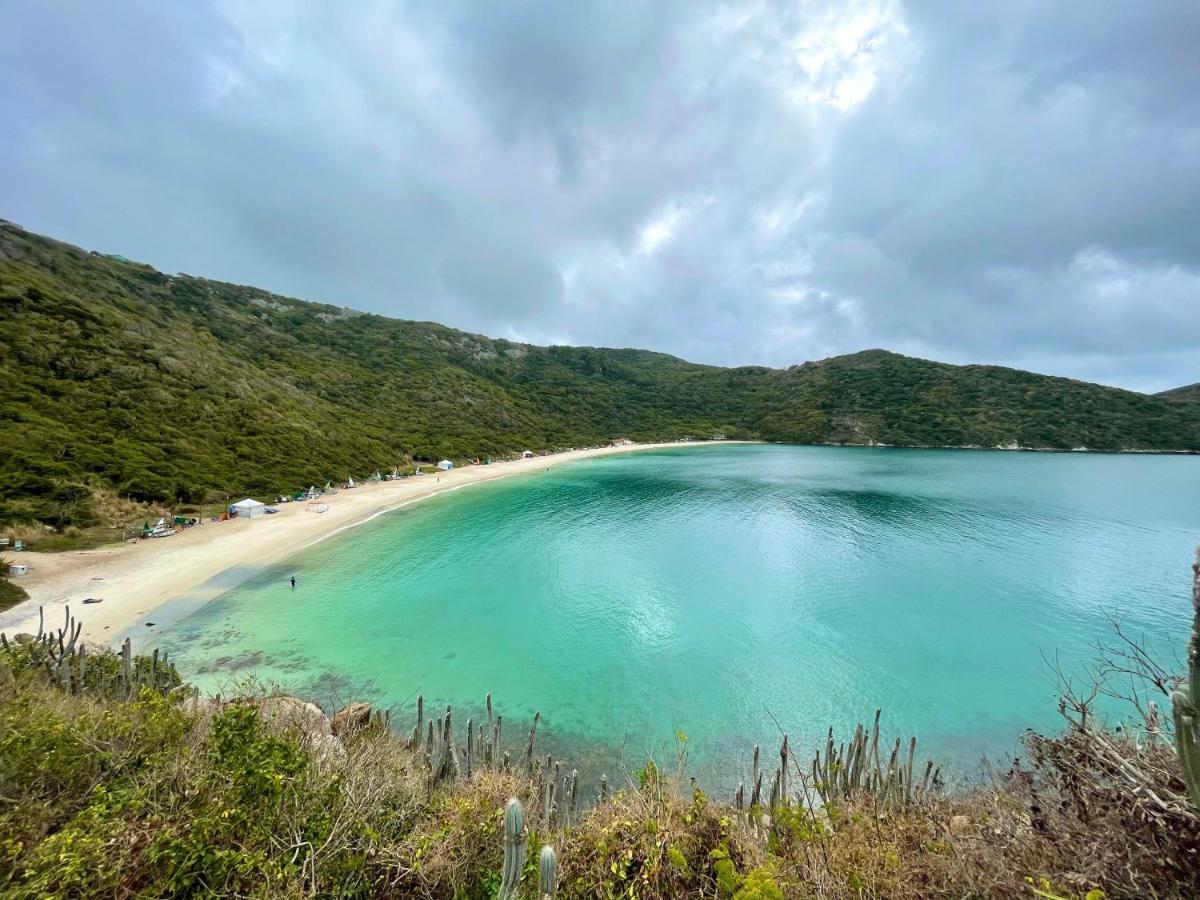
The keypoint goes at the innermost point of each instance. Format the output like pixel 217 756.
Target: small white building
pixel 249 508
pixel 445 465
pixel 527 454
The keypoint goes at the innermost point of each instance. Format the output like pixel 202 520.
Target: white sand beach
pixel 134 579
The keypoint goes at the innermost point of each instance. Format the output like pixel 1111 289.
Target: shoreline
pixel 999 448
pixel 133 580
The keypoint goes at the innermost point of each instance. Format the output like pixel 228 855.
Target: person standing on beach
pixel 293 581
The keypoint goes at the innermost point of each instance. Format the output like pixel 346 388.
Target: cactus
pixel 529 750
pixel 126 657
pixel 470 746
pixel 842 771
pixel 784 754
pixel 547 873
pixel 1185 710
pixel 550 798
pixel 418 731
pixel 60 655
pixel 514 849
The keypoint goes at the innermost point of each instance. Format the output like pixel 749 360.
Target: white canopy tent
pixel 445 465
pixel 249 508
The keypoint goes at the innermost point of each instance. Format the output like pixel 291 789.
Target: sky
pixel 752 183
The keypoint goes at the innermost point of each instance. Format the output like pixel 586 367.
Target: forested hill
pixel 170 387
pixel 1189 392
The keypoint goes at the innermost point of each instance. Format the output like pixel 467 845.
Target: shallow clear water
pixel 716 590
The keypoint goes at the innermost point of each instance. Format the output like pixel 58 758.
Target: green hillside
pixel 170 388
pixel 1189 392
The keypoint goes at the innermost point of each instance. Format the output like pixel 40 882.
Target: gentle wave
pixel 719 591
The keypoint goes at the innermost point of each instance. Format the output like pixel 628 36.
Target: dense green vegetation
pixel 174 389
pixel 10 594
pixel 1190 393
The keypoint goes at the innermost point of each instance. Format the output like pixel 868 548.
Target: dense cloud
pixel 748 183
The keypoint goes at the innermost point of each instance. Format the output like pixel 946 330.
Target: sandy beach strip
pixel 135 579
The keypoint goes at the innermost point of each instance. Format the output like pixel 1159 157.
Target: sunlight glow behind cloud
pixel 734 183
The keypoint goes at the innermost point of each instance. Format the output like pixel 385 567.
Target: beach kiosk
pixel 249 508
pixel 445 465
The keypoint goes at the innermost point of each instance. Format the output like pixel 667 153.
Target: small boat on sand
pixel 161 529
pixel 318 507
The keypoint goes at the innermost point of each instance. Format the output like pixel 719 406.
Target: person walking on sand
pixel 293 581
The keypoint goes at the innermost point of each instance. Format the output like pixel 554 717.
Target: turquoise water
pixel 719 590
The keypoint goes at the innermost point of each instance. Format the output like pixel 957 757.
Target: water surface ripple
pixel 711 589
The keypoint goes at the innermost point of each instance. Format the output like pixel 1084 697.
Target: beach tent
pixel 445 465
pixel 527 454
pixel 249 508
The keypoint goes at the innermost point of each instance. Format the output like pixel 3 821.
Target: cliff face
pixel 168 388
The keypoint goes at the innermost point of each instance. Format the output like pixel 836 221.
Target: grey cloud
pixel 734 183
pixel 503 278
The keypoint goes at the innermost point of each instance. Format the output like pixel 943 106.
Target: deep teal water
pixel 719 590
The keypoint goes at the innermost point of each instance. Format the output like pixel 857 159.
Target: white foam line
pixel 410 502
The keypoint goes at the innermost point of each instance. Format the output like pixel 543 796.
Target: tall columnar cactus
pixel 1185 701
pixel 844 770
pixel 59 654
pixel 470 747
pixel 514 849
pixel 529 760
pixel 419 731
pixel 126 659
pixel 547 874
pixel 784 755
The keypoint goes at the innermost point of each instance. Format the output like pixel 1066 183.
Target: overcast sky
pixel 1014 183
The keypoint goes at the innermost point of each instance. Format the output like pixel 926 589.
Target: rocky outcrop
pixel 287 715
pixel 326 746
pixel 352 719
pixel 284 713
